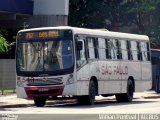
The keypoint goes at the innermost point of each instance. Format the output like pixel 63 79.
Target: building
pixel 33 13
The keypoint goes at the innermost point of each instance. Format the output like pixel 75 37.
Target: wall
pixel 7 74
pixel 49 13
pixel 51 7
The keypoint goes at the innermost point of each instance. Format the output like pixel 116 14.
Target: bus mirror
pixel 80 45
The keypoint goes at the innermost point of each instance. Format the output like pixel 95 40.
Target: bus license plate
pixel 43 89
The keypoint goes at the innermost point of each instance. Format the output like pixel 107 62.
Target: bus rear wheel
pixel 126 97
pixel 40 101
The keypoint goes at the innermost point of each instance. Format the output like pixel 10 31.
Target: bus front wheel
pixel 92 93
pixel 126 97
pixel 40 101
pixel 90 98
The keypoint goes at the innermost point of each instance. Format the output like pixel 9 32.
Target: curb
pixel 151 97
pixel 16 105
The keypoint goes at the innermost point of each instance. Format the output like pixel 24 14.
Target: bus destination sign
pixel 43 34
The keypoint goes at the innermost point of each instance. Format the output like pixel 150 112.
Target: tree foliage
pixel 93 13
pixel 140 16
pixel 3 44
pixel 143 14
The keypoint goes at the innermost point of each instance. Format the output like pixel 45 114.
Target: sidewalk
pixel 147 95
pixel 9 101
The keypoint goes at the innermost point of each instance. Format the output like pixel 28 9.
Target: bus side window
pixel 108 55
pixel 110 48
pixel 144 51
pixel 134 50
pixel 118 49
pixel 113 49
pixel 130 56
pixel 102 48
pixel 124 50
pixel 139 54
pixel 81 53
pixel 92 54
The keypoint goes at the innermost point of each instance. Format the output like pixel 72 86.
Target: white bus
pixel 82 63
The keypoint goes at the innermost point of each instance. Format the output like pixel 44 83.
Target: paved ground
pixel 11 101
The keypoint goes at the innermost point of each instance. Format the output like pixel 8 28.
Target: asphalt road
pixel 75 111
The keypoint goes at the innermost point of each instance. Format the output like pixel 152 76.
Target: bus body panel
pixel 70 89
pixel 146 72
pixel 84 75
pixel 134 71
pixel 146 81
pixel 21 93
pixel 110 74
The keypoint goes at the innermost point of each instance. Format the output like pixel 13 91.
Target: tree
pixel 144 15
pixel 140 16
pixel 93 13
pixel 3 44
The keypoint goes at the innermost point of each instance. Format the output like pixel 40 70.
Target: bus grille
pixel 45 82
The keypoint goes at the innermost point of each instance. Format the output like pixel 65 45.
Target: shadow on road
pixel 77 105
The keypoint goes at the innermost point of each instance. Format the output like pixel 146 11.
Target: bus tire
pixel 91 93
pixel 82 99
pixel 90 98
pixel 40 101
pixel 126 97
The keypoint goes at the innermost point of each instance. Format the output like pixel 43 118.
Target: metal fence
pixel 7 74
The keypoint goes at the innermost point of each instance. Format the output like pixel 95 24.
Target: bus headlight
pixel 70 80
pixel 20 82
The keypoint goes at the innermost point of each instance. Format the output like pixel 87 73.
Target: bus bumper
pixel 44 91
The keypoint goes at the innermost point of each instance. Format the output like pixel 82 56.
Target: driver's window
pixel 81 55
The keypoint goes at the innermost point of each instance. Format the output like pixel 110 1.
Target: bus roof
pixel 95 32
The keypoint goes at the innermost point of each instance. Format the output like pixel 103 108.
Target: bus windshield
pixel 44 55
